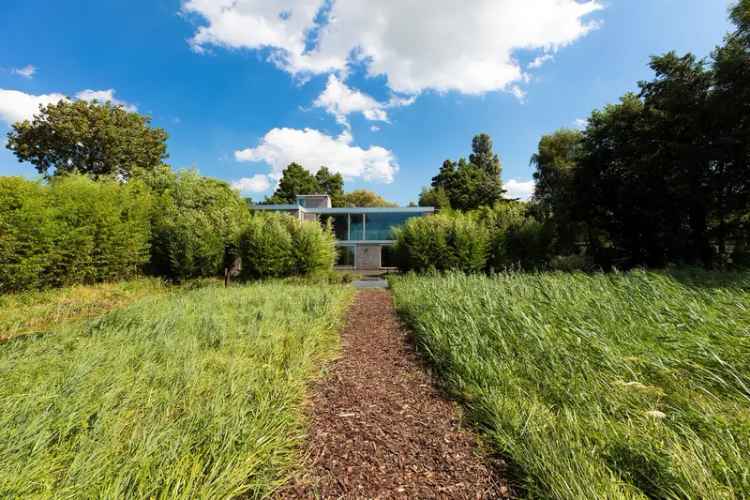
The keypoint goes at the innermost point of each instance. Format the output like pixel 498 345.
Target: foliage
pixel 297 180
pixel 473 183
pixel 442 242
pixel 73 230
pixel 365 198
pixel 196 224
pixel 598 386
pixel 435 197
pixel 98 139
pixel 662 176
pixel 330 184
pixel 197 394
pixel 274 245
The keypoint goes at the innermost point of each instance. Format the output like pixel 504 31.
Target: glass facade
pixel 356 227
pixel 345 256
pixel 379 226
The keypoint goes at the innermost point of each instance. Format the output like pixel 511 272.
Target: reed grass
pixel 629 385
pixel 189 395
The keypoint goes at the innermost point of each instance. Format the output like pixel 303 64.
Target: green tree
pixel 473 183
pixel 90 138
pixel 365 198
pixel 295 180
pixel 435 197
pixel 332 185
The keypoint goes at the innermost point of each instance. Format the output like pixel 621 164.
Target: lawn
pixel 629 385
pixel 196 394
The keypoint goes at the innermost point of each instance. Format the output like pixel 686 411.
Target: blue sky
pixel 381 91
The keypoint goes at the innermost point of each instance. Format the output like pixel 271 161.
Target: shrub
pixel 73 230
pixel 196 223
pixel 274 245
pixel 517 239
pixel 442 242
pixel 570 263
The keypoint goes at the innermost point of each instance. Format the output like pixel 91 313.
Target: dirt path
pixel 379 429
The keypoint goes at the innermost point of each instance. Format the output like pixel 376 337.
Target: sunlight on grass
pixel 606 386
pixel 39 311
pixel 189 395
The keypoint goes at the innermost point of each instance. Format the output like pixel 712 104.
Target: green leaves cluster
pixel 663 176
pixel 98 139
pixel 467 185
pixel 276 245
pixel 73 230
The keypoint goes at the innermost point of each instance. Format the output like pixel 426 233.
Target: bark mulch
pixel 380 429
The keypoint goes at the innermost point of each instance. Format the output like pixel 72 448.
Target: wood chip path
pixel 379 428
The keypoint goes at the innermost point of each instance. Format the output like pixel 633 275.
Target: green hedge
pixel 442 242
pixel 279 245
pixel 72 230
pixel 196 224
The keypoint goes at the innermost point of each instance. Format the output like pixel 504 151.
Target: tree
pixel 295 180
pixel 365 198
pixel 555 162
pixel 332 185
pixel 434 197
pixel 473 183
pixel 90 138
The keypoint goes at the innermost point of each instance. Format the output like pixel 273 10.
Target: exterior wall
pixel 309 217
pixel 314 201
pixel 368 257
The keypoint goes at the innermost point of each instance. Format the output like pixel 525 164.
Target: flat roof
pixel 349 210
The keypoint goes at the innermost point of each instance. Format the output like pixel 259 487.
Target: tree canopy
pixel 468 184
pixel 365 198
pixel 97 139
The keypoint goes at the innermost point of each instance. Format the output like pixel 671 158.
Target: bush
pixel 275 245
pixel 570 263
pixel 442 242
pixel 73 230
pixel 196 224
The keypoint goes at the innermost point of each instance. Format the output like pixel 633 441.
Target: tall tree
pixel 98 139
pixel 332 185
pixel 295 180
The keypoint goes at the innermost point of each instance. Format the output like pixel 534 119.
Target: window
pixel 340 226
pixel 356 227
pixel 345 256
pixel 389 256
pixel 379 226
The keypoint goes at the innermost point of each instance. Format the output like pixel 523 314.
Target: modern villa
pixel 364 236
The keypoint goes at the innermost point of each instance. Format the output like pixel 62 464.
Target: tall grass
pixel 189 395
pixel 598 386
pixel 40 311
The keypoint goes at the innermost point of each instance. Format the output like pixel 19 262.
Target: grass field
pixel 598 386
pixel 182 395
pixel 42 311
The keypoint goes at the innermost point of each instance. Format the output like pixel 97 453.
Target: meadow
pixel 624 385
pixel 188 394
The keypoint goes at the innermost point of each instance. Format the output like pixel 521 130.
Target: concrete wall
pixel 368 257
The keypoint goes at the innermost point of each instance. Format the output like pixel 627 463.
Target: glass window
pixel 345 256
pixel 340 226
pixel 380 225
pixel 389 256
pixel 356 227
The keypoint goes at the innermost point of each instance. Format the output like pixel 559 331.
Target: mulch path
pixel 380 429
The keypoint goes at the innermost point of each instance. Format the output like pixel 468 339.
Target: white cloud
pixel 17 106
pixel 416 45
pixel 26 72
pixel 103 96
pixel 540 60
pixel 581 123
pixel 519 189
pixel 375 128
pixel 340 100
pixel 255 184
pixel 313 149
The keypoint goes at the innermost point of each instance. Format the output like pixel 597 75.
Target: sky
pixel 381 91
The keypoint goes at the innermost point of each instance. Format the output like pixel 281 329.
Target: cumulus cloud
pixel 581 123
pixel 255 184
pixel 416 45
pixel 519 189
pixel 26 72
pixel 103 96
pixel 340 100
pixel 312 149
pixel 16 106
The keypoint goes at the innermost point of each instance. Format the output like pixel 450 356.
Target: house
pixel 364 236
